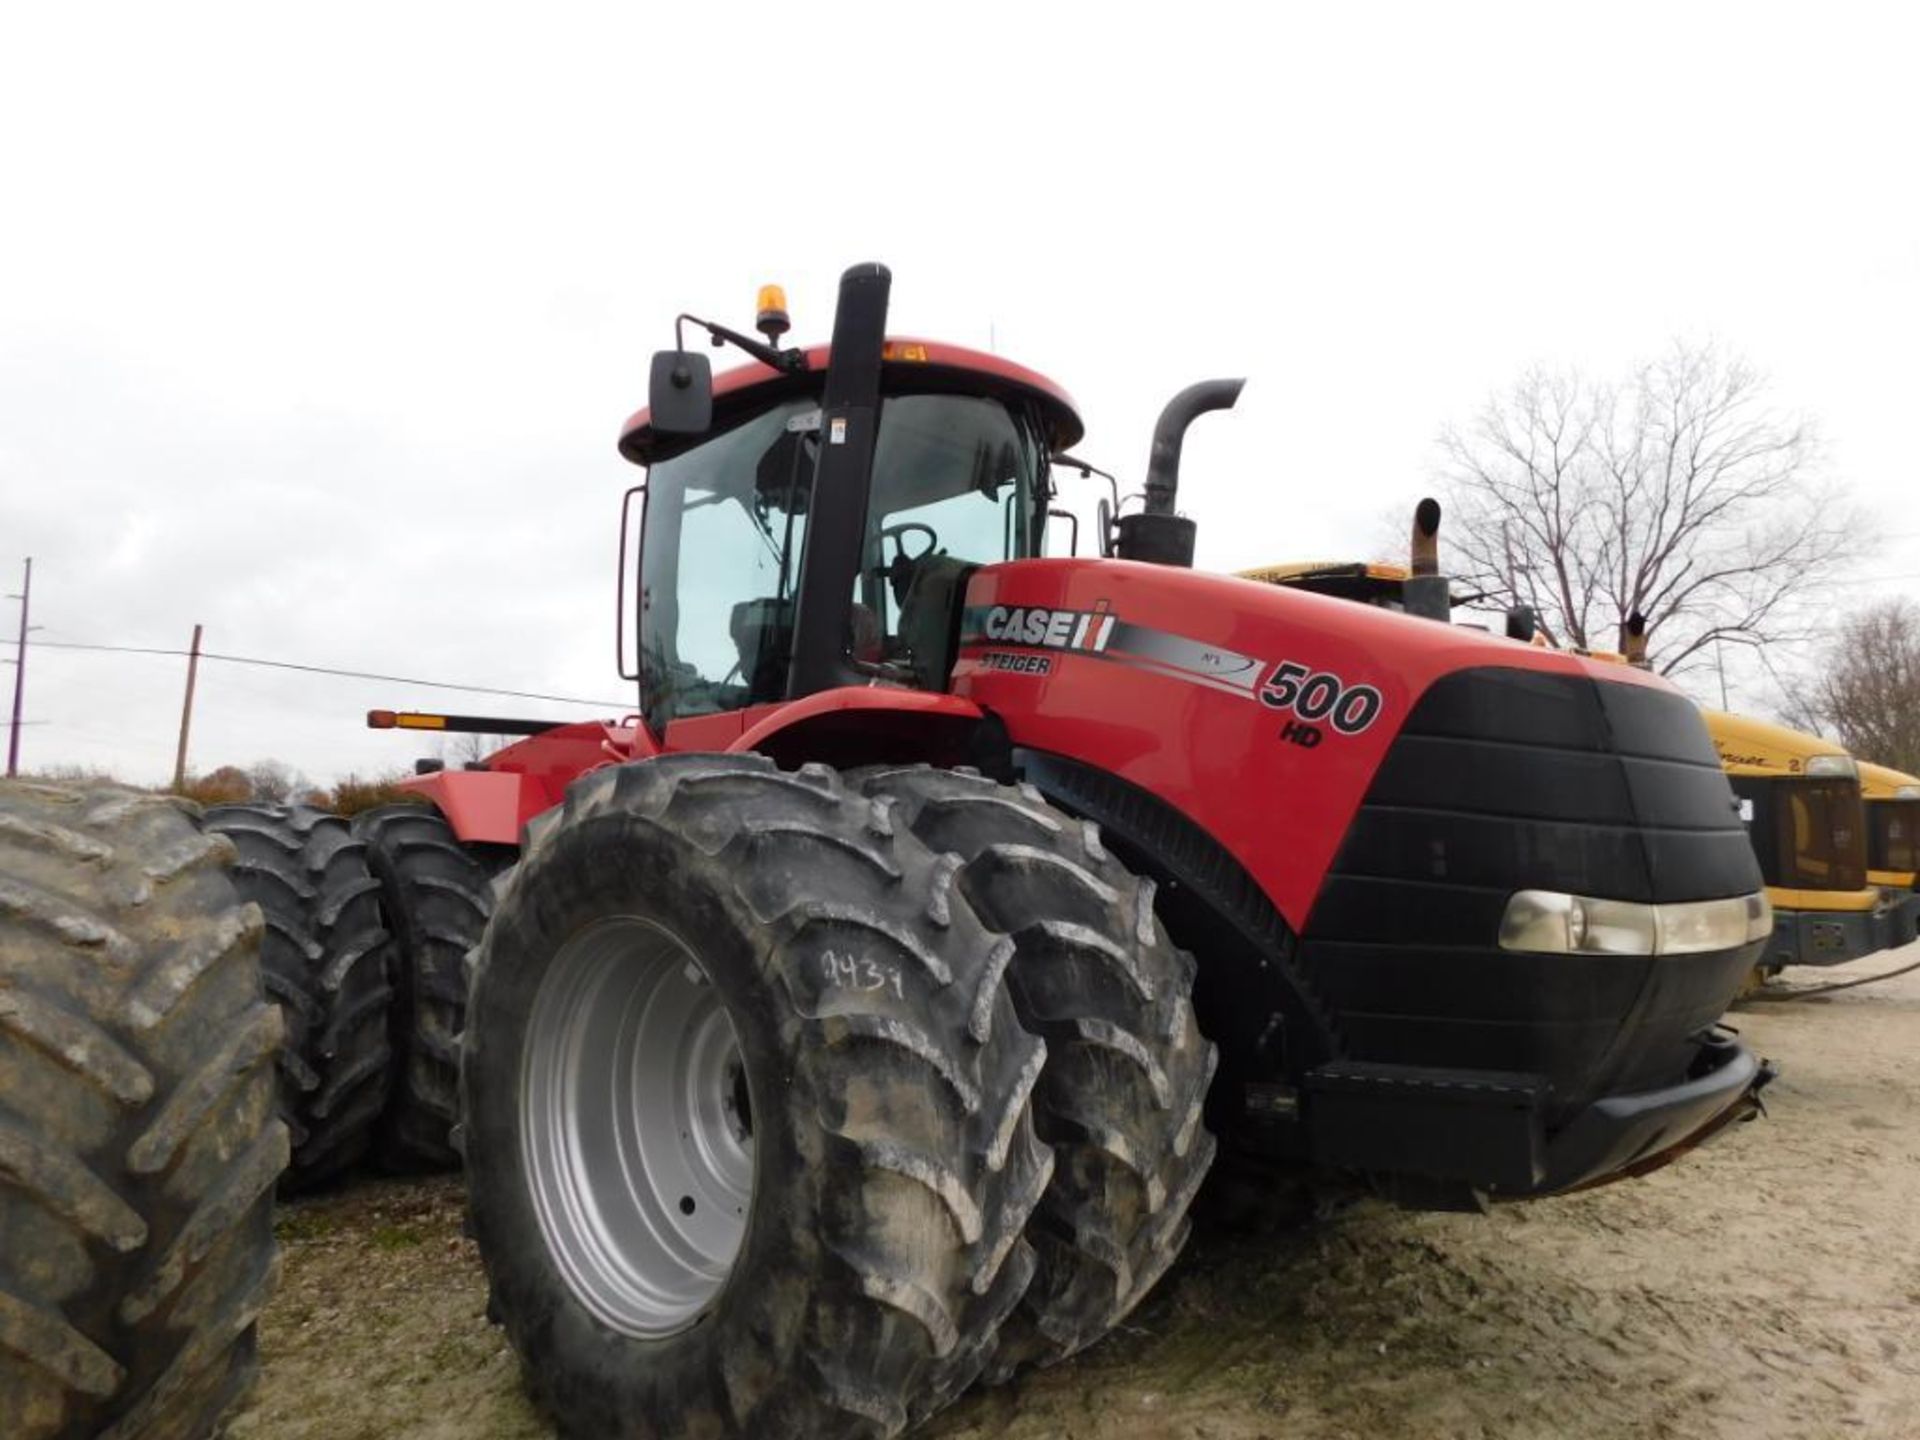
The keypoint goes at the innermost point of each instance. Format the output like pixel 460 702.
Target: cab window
pixel 725 524
pixel 957 481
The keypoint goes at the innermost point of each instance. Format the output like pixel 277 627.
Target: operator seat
pixel 762 631
pixel 930 617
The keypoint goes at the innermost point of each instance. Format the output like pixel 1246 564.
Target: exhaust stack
pixel 1157 534
pixel 1427 593
pixel 1635 643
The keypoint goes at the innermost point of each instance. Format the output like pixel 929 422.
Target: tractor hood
pixel 1196 687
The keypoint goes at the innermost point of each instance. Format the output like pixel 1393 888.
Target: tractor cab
pixel 1802 799
pixel 1416 588
pixel 1893 827
pixel 960 470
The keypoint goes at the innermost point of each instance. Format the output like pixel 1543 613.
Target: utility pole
pixel 1720 661
pixel 19 672
pixel 186 713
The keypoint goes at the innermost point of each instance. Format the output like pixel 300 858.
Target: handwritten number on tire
pixel 860 972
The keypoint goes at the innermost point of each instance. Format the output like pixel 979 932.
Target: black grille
pixel 1505 780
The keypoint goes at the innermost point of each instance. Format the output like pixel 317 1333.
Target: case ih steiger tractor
pixel 862 1016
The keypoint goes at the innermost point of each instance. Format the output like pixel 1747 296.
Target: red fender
pixel 482 806
pixel 526 778
pixel 864 725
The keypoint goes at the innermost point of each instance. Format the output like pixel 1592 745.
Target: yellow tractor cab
pixel 1416 588
pixel 1893 840
pixel 1371 583
pixel 1802 801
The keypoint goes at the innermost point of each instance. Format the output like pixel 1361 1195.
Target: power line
pixel 1879 579
pixel 620 705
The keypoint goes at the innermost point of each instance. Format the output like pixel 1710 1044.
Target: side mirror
pixel 1103 528
pixel 680 393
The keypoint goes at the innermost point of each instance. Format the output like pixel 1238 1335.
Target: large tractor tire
pixel 1127 1072
pixel 138 1141
pixel 436 896
pixel 326 958
pixel 749 1135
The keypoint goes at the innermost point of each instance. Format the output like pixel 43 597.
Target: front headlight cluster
pixel 1549 922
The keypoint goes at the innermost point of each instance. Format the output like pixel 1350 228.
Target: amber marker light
pixel 770 317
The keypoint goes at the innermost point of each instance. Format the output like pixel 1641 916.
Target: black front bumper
pixel 1833 937
pixel 1486 1131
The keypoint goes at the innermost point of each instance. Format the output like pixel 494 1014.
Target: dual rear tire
pixel 795 1105
pixel 436 894
pixel 327 957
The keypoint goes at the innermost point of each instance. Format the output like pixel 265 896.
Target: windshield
pixel 1893 842
pixel 1809 832
pixel 957 481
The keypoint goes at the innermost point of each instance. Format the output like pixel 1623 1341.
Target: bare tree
pixel 466 748
pixel 1865 690
pixel 1680 495
pixel 274 782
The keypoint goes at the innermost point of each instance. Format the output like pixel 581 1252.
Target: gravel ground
pixel 1769 1285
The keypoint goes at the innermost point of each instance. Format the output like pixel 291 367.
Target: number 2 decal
pixel 1320 695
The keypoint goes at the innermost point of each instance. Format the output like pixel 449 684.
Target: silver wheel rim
pixel 635 1128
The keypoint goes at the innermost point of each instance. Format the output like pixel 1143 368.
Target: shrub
pixel 353 794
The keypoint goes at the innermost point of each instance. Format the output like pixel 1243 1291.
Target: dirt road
pixel 1768 1286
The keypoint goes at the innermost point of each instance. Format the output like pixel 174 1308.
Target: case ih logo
pixel 1055 629
pixel 1309 698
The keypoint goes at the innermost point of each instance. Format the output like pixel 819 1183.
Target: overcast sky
pixel 318 325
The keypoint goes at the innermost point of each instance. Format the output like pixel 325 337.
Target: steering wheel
pixel 898 572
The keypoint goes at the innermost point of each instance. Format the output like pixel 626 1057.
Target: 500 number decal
pixel 1320 695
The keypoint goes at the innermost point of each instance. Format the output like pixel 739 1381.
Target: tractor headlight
pixel 1832 767
pixel 1552 923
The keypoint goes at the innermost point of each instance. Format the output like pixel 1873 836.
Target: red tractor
pixel 861 1016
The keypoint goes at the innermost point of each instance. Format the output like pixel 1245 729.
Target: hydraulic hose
pixel 1837 985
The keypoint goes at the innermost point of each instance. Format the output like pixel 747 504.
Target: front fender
pixel 868 725
pixel 481 806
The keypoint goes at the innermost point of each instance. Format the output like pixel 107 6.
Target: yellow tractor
pixel 1802 800
pixel 1893 843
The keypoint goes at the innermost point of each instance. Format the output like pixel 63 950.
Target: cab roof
pixel 1758 747
pixel 1883 782
pixel 907 364
pixel 1301 571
